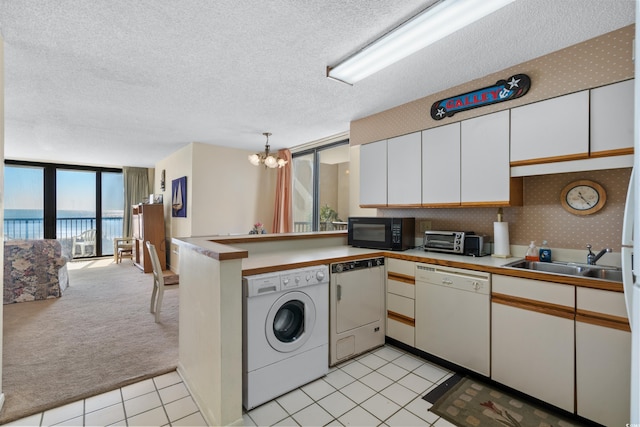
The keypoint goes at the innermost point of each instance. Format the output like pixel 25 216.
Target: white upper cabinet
pixel 404 182
pixel 551 130
pixel 373 174
pixel 485 175
pixel 612 119
pixel 441 165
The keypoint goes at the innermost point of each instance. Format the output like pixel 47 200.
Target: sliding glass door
pixel 23 202
pixel 321 188
pixel 81 206
pixel 76 211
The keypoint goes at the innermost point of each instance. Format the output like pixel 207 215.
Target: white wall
pixel 230 193
pixel 225 193
pixel 175 166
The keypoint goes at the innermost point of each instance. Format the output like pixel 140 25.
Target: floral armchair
pixel 34 270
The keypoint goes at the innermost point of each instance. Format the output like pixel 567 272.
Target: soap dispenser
pixel 532 252
pixel 545 252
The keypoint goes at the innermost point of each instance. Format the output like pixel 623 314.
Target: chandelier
pixel 269 160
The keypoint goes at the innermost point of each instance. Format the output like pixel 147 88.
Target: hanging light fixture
pixel 266 158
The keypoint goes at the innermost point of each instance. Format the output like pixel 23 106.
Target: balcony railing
pixel 303 227
pixel 66 230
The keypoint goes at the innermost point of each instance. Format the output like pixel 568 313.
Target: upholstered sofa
pixel 34 270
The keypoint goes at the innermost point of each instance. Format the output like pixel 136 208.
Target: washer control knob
pixel 339 268
pixel 285 281
pixel 320 275
pixel 297 279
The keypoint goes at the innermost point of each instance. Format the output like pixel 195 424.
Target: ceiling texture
pixel 126 83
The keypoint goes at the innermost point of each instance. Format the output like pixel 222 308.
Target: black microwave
pixel 395 234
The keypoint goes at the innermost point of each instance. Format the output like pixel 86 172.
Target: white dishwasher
pixel 357 313
pixel 453 315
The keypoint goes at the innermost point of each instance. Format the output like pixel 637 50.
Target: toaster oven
pixel 444 241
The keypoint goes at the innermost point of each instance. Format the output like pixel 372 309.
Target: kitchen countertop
pixel 278 260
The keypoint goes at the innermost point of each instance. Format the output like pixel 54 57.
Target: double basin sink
pixel 570 269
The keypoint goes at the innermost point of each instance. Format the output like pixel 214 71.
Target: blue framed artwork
pixel 179 197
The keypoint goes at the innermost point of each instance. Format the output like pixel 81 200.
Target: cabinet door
pixel 603 372
pixel 551 130
pixel 404 169
pixel 603 356
pixel 485 173
pixel 373 174
pixel 534 353
pixel 441 165
pixel 612 119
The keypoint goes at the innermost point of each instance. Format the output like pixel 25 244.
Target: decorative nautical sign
pixel 504 90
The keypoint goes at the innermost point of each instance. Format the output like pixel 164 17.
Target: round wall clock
pixel 583 197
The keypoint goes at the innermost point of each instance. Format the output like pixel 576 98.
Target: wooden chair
pixel 158 282
pixel 122 248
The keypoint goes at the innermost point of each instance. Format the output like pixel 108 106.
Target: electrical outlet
pixel 424 225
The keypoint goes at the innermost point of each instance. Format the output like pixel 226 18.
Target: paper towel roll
pixel 501 239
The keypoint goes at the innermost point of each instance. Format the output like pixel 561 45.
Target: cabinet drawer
pixel 599 301
pixel 553 293
pixel 401 332
pixel 401 288
pixel 401 305
pixel 401 266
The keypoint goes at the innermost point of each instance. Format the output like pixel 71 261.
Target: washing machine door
pixel 290 321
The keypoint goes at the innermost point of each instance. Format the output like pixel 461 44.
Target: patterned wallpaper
pixel 597 62
pixel 542 217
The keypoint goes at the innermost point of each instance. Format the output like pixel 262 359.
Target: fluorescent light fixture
pixel 431 25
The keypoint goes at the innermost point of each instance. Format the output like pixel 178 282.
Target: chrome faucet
pixel 593 258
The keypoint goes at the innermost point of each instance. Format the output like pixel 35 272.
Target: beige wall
pixel 225 193
pixel 230 194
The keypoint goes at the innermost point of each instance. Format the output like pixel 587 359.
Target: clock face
pixel 583 197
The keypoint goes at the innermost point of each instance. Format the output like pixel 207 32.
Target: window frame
pixel 315 208
pixel 50 193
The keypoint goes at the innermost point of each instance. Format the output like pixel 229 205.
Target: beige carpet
pixel 97 337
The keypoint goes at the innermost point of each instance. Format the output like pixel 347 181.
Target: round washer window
pixel 288 325
pixel 290 321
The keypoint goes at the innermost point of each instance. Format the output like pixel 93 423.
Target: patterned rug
pixel 472 403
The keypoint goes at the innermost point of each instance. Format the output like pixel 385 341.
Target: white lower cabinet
pixel 532 338
pixel 401 300
pixel 603 357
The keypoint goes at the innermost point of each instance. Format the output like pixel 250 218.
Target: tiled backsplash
pixel 542 217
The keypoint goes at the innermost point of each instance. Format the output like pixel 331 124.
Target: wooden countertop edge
pixel 311 263
pixel 211 249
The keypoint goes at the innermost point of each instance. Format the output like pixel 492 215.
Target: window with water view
pixel 81 207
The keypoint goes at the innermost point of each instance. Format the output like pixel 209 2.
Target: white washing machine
pixel 285 332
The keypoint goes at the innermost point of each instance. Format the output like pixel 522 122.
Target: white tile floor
pixel 383 387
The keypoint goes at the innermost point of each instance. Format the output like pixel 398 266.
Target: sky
pixel 75 189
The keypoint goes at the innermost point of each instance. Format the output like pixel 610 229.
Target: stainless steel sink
pixel 614 275
pixel 570 269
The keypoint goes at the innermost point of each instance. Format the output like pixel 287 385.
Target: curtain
pixel 283 215
pixel 136 190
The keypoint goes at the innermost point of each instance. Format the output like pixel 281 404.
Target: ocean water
pixel 29 223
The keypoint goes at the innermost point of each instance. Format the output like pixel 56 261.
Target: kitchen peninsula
pixel 211 270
